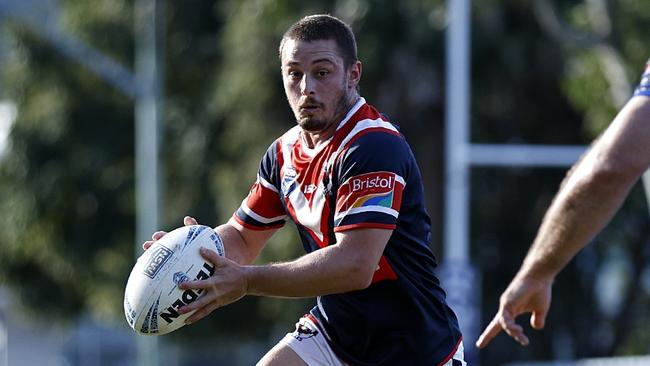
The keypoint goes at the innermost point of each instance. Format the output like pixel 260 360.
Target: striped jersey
pixel 364 176
pixel 644 84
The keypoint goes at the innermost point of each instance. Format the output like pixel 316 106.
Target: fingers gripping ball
pixel 152 297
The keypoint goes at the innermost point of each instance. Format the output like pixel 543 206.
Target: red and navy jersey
pixel 365 176
pixel 644 85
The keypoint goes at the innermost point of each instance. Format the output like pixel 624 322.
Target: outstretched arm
pixel 590 195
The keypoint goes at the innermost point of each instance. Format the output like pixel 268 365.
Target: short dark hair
pixel 324 27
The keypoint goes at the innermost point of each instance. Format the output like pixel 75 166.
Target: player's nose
pixel 307 84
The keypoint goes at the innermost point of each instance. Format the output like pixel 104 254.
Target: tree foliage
pixel 67 179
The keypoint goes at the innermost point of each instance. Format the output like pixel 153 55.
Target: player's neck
pixel 313 140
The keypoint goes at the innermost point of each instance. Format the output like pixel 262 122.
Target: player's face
pixel 319 89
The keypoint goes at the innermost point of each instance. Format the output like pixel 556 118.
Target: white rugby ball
pixel 152 297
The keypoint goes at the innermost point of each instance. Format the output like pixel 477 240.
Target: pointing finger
pixel 489 333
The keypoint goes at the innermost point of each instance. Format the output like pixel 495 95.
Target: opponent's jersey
pixel 644 85
pixel 365 176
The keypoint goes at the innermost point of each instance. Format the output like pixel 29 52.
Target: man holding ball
pixel 348 179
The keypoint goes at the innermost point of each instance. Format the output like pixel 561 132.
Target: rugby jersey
pixel 644 84
pixel 364 176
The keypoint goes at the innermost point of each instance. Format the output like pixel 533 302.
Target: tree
pixel 66 179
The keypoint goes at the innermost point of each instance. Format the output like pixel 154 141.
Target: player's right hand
pixel 187 220
pixel 523 295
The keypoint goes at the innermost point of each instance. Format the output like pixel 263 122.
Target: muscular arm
pixel 590 195
pixel 242 245
pixel 593 191
pixel 346 266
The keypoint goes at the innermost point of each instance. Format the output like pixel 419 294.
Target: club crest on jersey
pixel 289 180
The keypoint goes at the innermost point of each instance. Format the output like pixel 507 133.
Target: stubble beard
pixel 315 125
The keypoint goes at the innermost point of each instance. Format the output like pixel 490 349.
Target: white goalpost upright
pixel 149 73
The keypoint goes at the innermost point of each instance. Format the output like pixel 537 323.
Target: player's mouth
pixel 309 105
pixel 310 108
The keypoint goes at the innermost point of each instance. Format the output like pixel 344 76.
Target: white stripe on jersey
pixel 266 184
pixel 360 102
pixel 358 127
pixel 289 139
pixel 366 124
pixel 355 210
pixel 322 308
pixel 307 216
pixel 259 218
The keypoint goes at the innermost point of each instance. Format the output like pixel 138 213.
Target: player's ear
pixel 354 74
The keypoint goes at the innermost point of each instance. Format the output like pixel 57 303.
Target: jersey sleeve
pixel 371 176
pixel 262 208
pixel 644 85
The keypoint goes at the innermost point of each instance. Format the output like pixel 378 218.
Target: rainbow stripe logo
pixel 377 199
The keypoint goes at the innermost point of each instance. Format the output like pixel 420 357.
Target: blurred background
pixel 85 84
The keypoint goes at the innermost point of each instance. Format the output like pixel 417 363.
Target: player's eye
pixel 322 73
pixel 294 74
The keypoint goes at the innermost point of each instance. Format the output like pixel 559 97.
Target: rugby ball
pixel 152 297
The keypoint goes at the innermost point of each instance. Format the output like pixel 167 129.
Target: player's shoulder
pixel 290 136
pixel 368 124
pixel 377 150
pixel 377 137
pixel 287 138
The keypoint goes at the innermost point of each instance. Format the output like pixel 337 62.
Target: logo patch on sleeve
pixel 379 199
pixel 376 189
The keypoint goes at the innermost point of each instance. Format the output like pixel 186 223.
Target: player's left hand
pixel 228 284
pixel 523 295
pixel 188 220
